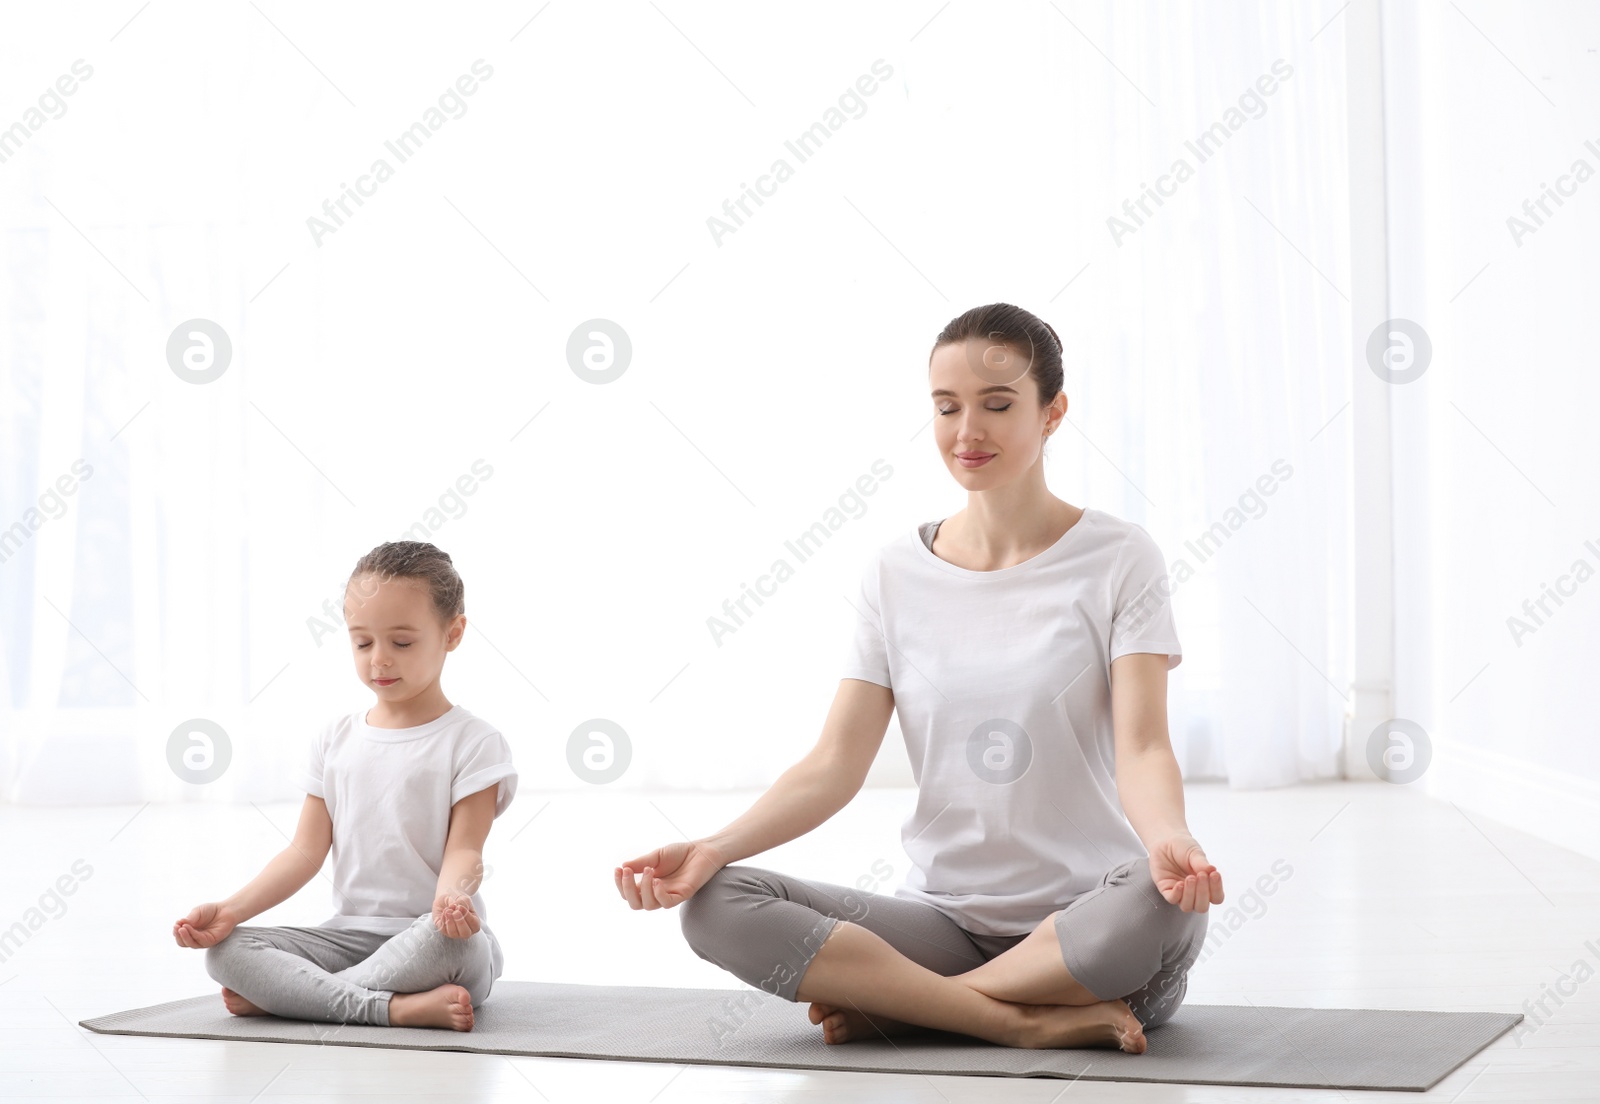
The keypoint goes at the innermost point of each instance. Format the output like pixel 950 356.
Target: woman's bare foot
pixel 841 1025
pixel 1104 1024
pixel 236 1004
pixel 447 1006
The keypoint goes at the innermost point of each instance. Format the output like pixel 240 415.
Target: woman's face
pixel 987 420
pixel 396 638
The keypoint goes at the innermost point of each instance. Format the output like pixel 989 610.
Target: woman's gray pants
pixel 1120 940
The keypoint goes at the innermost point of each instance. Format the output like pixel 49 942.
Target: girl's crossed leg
pixel 1096 973
pixel 418 978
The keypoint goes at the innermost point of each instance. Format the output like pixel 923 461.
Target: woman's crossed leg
pixel 874 963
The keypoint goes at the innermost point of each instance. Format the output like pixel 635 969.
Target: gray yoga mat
pixel 1203 1044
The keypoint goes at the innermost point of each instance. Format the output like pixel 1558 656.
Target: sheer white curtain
pixel 1215 359
pixel 373 372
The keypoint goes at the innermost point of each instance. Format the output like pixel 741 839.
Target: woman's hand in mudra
pixel 1179 868
pixel 667 876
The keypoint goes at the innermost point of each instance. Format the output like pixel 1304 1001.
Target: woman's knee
pixel 1123 934
pixel 1193 934
pixel 1156 1003
pixel 1182 939
pixel 1183 935
pixel 1181 932
pixel 728 923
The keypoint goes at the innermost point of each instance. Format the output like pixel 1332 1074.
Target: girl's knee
pixel 478 988
pixel 424 931
pixel 217 956
pixel 222 956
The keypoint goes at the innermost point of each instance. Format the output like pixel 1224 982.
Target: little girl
pixel 404 794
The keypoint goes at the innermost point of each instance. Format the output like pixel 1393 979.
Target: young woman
pixel 403 794
pixel 1056 896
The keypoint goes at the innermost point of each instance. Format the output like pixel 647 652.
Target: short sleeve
pixel 1141 596
pixel 309 777
pixel 482 760
pixel 867 654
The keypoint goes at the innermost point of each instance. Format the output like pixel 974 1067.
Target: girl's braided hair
pixel 422 561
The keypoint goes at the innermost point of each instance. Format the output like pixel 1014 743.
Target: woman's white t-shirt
pixel 389 793
pixel 1002 684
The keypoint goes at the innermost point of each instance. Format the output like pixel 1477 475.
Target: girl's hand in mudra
pixel 454 915
pixel 1179 868
pixel 668 875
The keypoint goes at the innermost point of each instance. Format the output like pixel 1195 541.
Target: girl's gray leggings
pixel 336 975
pixel 1121 939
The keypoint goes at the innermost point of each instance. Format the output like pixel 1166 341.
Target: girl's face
pixel 987 421
pixel 396 638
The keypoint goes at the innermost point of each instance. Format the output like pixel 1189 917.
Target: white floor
pixel 1394 901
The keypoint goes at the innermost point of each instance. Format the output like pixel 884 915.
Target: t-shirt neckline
pixel 1003 572
pixel 398 735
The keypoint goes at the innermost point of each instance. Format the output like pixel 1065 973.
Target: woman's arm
pixel 819 785
pixel 803 797
pixel 284 875
pixel 1148 781
pixel 1150 786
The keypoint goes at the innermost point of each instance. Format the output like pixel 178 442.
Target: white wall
pixel 1495 480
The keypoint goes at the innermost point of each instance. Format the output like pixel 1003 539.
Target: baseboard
pixel 1561 808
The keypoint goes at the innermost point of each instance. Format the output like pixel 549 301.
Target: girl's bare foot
pixel 841 1025
pixel 447 1006
pixel 236 1004
pixel 1104 1024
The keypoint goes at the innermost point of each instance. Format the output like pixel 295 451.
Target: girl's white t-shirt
pixel 1002 685
pixel 389 793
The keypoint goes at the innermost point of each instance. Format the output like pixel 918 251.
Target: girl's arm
pixel 1150 785
pixel 287 872
pixel 461 872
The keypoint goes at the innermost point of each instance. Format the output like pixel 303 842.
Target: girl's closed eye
pixel 397 643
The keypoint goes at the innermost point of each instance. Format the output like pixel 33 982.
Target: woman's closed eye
pixel 995 409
